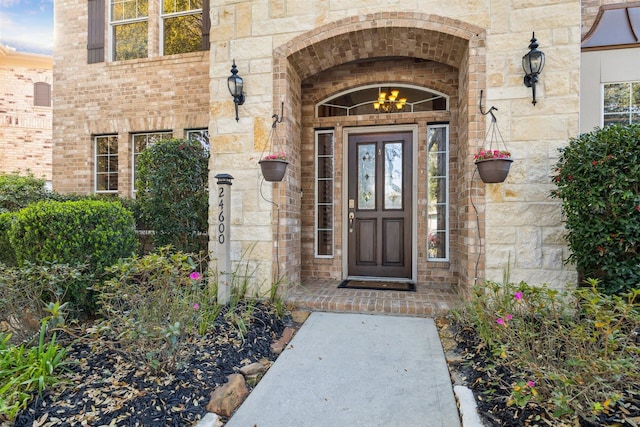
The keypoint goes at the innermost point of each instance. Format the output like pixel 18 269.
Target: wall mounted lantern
pixel 235 84
pixel 532 62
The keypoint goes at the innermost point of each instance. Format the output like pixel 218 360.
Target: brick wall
pixel 25 129
pixel 142 95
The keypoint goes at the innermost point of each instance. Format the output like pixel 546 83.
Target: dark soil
pixel 491 386
pixel 104 388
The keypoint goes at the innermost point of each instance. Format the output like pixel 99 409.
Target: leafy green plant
pixel 18 191
pixel 95 233
pixel 172 183
pixel 7 254
pixel 575 349
pixel 25 369
pixel 150 304
pixel 598 181
pixel 33 292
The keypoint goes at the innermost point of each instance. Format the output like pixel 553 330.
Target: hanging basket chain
pixel 493 133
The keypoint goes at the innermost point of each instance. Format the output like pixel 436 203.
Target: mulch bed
pixel 104 388
pixel 491 388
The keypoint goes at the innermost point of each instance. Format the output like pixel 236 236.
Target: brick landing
pixel 324 295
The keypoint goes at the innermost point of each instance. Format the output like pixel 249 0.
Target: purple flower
pixel 196 306
pixel 195 276
pixel 531 383
pixel 518 296
pixel 500 321
pixel 509 317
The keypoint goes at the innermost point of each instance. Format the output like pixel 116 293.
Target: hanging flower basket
pixel 273 170
pixel 493 170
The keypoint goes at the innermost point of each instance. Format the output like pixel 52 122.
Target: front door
pixel 379 204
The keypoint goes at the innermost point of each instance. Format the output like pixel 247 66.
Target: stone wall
pixel 520 225
pixel 25 129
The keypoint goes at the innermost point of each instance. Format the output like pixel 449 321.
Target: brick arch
pixel 386 35
pixel 415 35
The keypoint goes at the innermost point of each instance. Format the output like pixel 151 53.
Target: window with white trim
pixel 129 23
pixel 324 179
pixel 438 192
pixel 181 26
pixel 201 135
pixel 621 103
pixel 140 142
pixel 106 165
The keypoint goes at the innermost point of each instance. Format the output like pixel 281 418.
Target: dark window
pixel 42 94
pixel 95 29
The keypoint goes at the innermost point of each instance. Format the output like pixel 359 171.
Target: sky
pixel 27 25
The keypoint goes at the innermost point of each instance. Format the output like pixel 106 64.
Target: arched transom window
pixel 382 98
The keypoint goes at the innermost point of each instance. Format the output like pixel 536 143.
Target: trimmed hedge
pixel 16 191
pixel 93 232
pixel 7 254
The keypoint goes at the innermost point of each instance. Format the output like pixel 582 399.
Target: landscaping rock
pixel 278 346
pixel 227 398
pixel 299 316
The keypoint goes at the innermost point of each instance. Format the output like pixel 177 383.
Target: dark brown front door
pixel 379 204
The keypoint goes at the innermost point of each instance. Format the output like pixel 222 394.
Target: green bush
pixel 16 191
pixel 172 183
pixel 598 180
pixel 27 293
pixel 151 304
pixel 86 232
pixel 7 254
pixel 573 352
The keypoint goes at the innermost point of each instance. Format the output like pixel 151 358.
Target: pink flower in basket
pixel 277 156
pixel 492 154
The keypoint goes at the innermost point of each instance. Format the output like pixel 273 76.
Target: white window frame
pixel 164 16
pixel 95 170
pixel 134 153
pixel 201 132
pixel 447 198
pixel 113 23
pixel 630 116
pixel 317 204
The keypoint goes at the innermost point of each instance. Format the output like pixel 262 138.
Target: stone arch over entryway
pixel 383 35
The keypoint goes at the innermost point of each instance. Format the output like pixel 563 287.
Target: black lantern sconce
pixel 532 62
pixel 235 84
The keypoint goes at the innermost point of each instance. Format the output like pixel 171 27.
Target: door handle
pixel 351 218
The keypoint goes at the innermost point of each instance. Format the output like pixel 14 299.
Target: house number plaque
pixel 224 249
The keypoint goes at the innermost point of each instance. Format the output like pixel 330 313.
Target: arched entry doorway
pixel 413 49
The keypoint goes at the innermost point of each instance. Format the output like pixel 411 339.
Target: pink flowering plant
pixel 543 350
pixel 492 154
pixel 276 156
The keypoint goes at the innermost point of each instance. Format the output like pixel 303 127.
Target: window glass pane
pixel 437 193
pixel 129 9
pixel 366 176
pixel 173 6
pixel 324 194
pixel 106 163
pixel 393 175
pixel 130 41
pixel 183 34
pixel 201 135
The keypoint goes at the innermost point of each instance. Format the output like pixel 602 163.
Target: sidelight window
pixel 324 179
pixel 438 192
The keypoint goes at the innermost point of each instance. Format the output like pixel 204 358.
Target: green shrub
pixel 86 232
pixel 172 183
pixel 25 370
pixel 573 352
pixel 598 180
pixel 7 254
pixel 16 191
pixel 152 303
pixel 93 232
pixel 27 293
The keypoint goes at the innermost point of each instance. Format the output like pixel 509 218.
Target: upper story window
pixel 42 94
pixel 181 26
pixel 382 99
pixel 621 103
pixel 129 23
pixel 184 26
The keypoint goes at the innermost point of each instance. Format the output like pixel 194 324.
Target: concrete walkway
pixel 355 370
